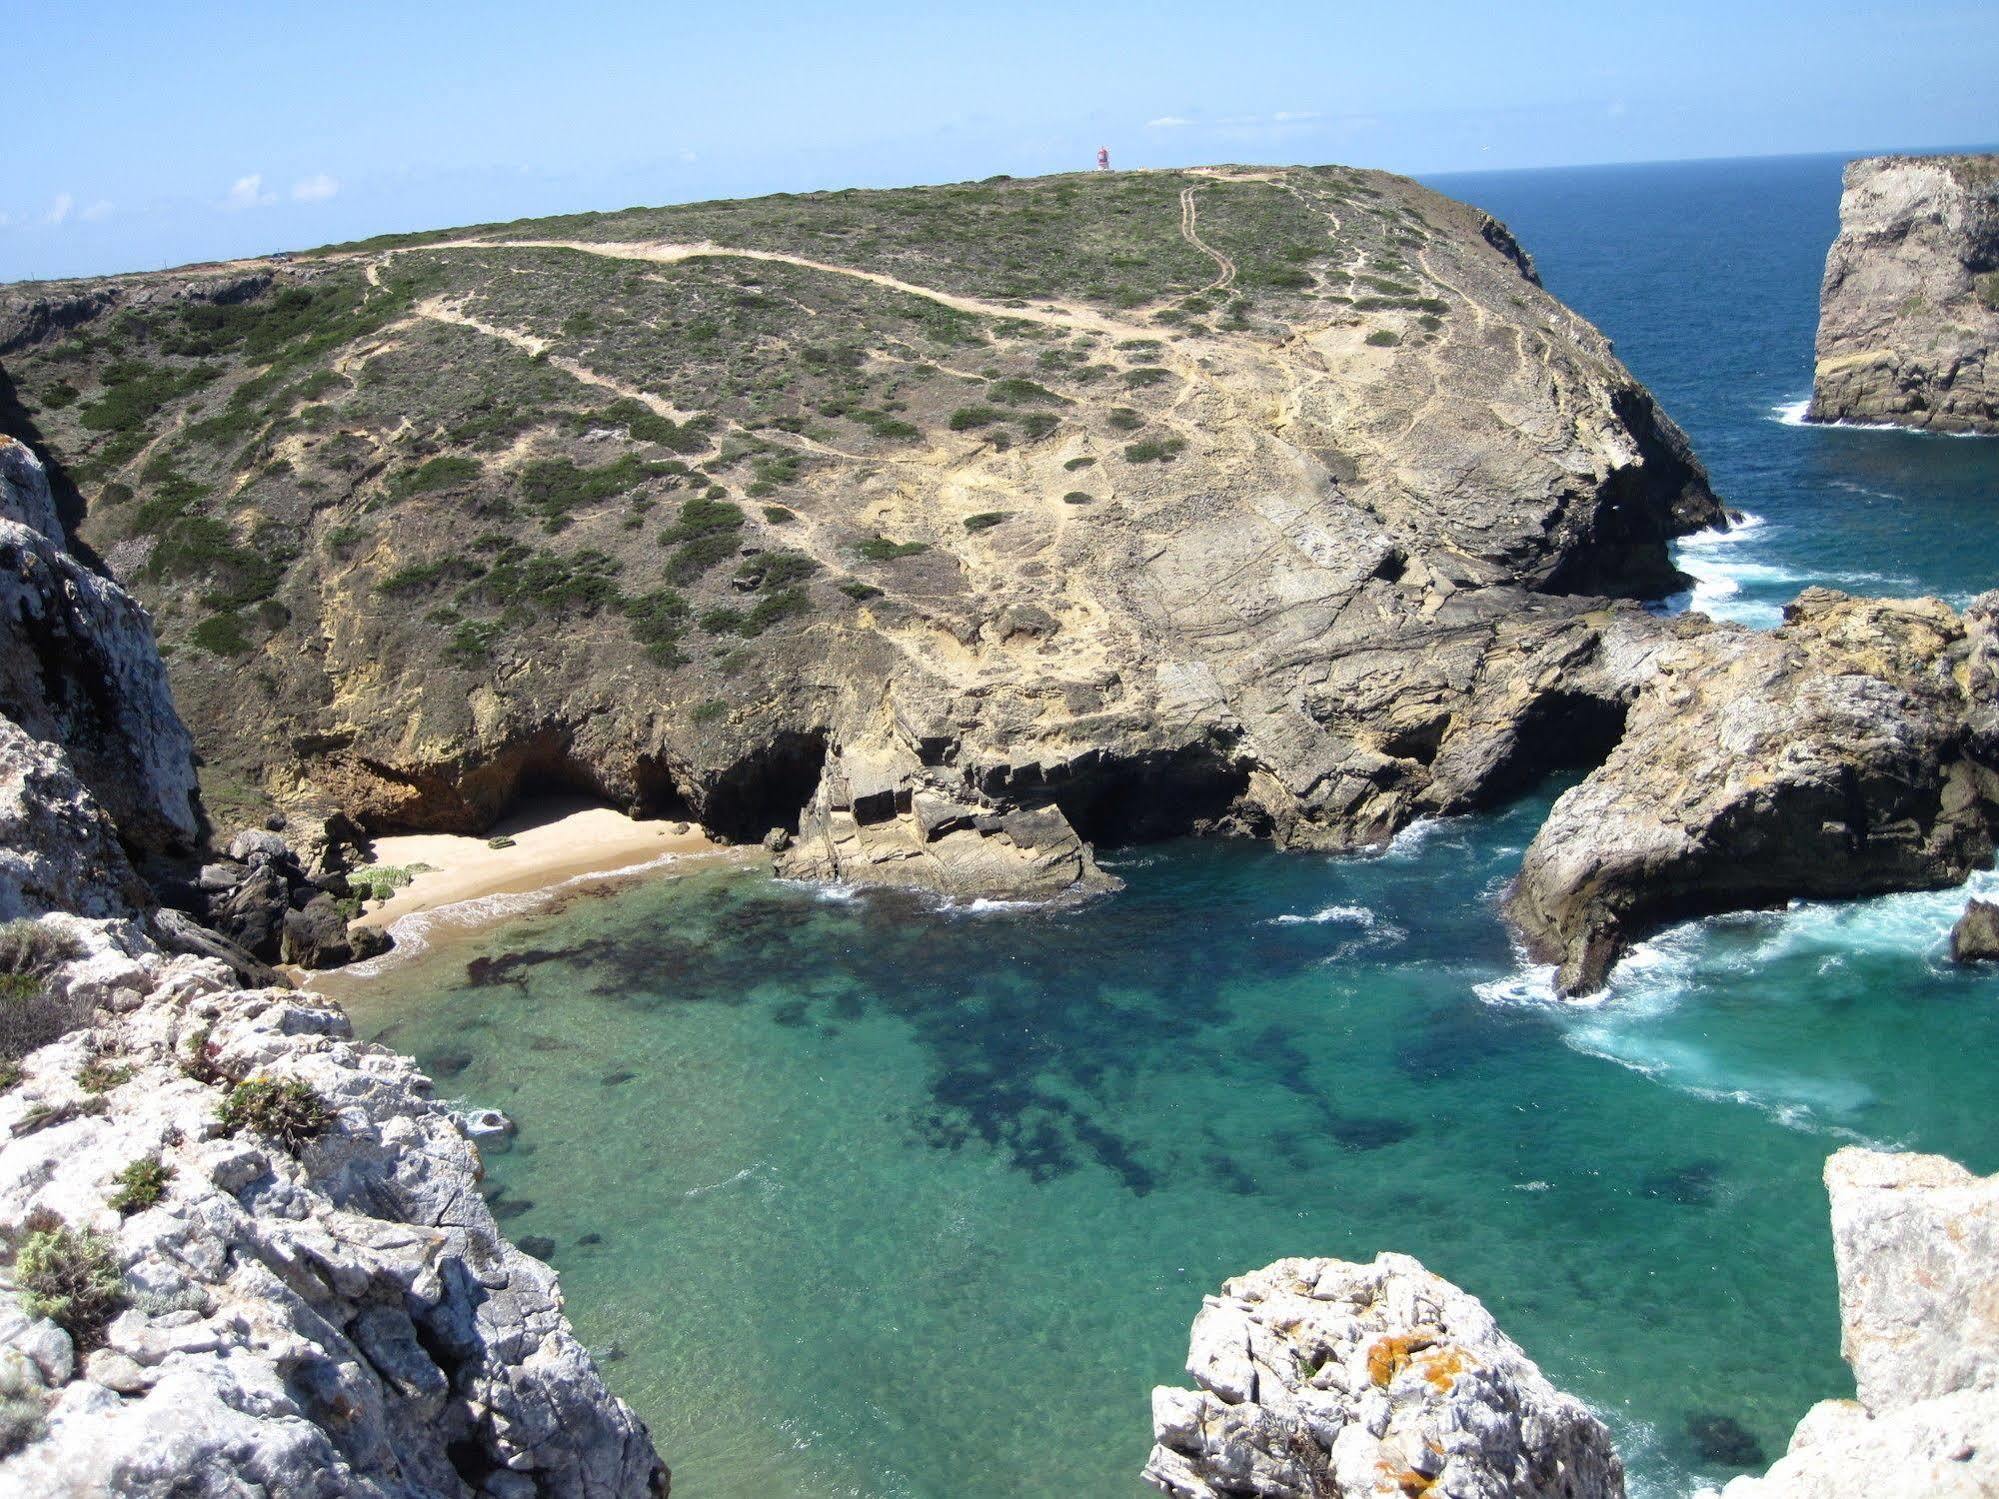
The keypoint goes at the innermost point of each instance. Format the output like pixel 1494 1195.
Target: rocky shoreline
pixel 1326 1379
pixel 242 1249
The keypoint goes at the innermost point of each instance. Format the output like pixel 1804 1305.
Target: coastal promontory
pixel 1909 308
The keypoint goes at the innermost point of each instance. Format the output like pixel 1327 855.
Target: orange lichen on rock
pixel 1444 1366
pixel 1390 1356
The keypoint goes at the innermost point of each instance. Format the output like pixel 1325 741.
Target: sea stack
pixel 1909 308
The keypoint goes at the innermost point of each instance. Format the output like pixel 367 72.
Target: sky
pixel 149 134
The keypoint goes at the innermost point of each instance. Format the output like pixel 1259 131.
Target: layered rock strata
pixel 1335 1380
pixel 1300 542
pixel 1851 752
pixel 1909 309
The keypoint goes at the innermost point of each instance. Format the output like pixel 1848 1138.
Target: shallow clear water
pixel 897 1201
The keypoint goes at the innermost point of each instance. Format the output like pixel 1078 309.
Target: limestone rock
pixel 1909 309
pixel 1849 753
pixel 1975 937
pixel 78 668
pixel 1916 1238
pixel 58 849
pixel 1327 1379
pixel 343 1319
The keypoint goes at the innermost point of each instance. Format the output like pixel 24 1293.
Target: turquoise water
pixel 863 1197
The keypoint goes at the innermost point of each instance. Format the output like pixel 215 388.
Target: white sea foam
pixel 411 933
pixel 1716 562
pixel 1792 414
pixel 1358 915
pixel 1627 1022
pixel 750 1172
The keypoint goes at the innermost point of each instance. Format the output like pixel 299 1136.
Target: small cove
pixel 860 1197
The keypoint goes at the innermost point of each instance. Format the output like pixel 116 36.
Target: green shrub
pixel 343 539
pixel 776 569
pixel 693 558
pixel 860 592
pixel 709 711
pixel 1155 450
pixel 28 946
pixel 1075 463
pixel 472 641
pixel 100 1076
pixel 71 1278
pixel 532 585
pixel 140 1185
pixel 286 1110
pixel 701 516
pixel 553 487
pixel 1987 283
pixel 882 425
pixel 57 395
pixel 10 1074
pixel 1124 419
pixel 881 549
pixel 447 472
pixel 417 575
pixel 985 520
pixel 1077 497
pixel 1015 391
pixel 1147 374
pixel 380 881
pixel 658 621
pixel 1384 338
pixel 777 515
pixel 965 418
pixel 221 635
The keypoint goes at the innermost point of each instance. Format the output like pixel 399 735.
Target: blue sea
pixel 858 1196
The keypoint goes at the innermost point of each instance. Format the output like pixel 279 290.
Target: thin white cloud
pixel 314 189
pixel 248 192
pixel 59 210
pixel 1290 116
pixel 687 156
pixel 101 209
pixel 1167 122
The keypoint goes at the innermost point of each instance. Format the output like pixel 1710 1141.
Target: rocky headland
pixel 1326 1379
pixel 243 1253
pixel 952 530
pixel 1853 751
pixel 1909 308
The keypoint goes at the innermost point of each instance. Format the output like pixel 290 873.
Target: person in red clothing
pixel 1103 158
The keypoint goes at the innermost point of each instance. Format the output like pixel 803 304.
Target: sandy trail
pixel 1188 232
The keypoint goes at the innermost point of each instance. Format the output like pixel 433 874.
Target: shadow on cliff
pixel 17 423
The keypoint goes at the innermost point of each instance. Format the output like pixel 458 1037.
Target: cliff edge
pixel 1909 308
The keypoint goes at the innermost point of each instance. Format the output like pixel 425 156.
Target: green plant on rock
pixel 140 1185
pixel 985 520
pixel 881 549
pixel 1384 338
pixel 100 1076
pixel 70 1277
pixel 283 1109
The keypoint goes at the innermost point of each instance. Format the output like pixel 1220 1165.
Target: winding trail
pixel 1188 216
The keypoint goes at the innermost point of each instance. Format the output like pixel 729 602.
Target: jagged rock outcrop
pixel 242 1252
pixel 337 1316
pixel 1327 1379
pixel 1917 1242
pixel 1851 752
pixel 78 668
pixel 1909 309
pixel 1276 510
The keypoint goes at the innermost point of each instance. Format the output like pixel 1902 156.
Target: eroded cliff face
pixel 1851 752
pixel 1909 309
pixel 204 1294
pixel 958 528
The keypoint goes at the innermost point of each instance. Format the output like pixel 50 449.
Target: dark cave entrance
pixel 1559 731
pixel 767 788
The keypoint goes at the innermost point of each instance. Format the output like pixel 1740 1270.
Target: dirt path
pixel 1189 233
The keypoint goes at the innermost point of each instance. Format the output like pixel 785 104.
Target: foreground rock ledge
pixel 343 1320
pixel 1326 1378
pixel 1909 309
pixel 1850 753
pixel 1917 1242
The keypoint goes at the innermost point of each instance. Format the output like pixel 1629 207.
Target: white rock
pixel 1445 1403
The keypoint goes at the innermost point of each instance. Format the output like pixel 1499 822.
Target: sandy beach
pixel 552 844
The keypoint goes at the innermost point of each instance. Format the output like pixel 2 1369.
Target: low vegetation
pixel 285 1110
pixel 70 1276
